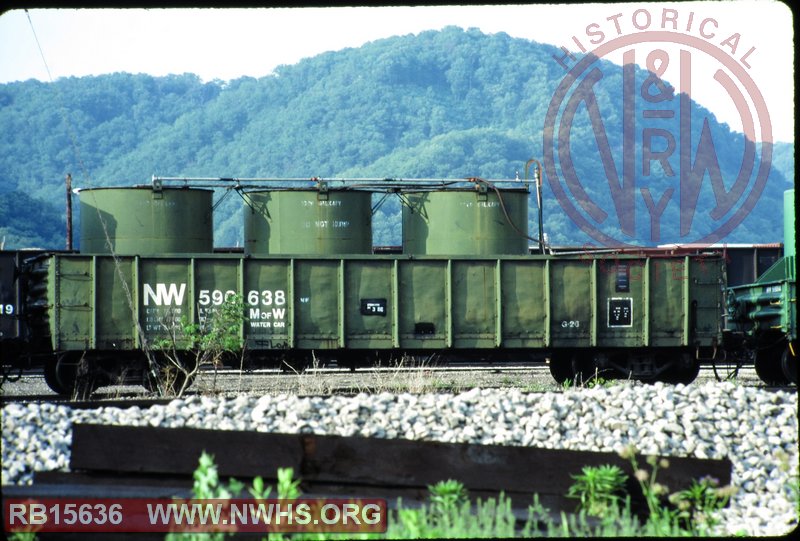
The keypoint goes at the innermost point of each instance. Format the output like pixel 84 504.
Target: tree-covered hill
pixel 449 103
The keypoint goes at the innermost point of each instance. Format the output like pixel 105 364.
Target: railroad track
pixel 328 380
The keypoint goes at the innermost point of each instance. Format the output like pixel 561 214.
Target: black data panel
pixel 373 307
pixel 620 312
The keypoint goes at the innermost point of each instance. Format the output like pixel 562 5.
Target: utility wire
pixel 62 108
pixel 76 149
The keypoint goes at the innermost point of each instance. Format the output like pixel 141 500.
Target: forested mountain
pixel 448 103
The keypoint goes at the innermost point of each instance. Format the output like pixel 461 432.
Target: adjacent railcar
pixel 762 316
pixel 13 340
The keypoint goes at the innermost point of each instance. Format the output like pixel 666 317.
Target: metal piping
pixel 538 198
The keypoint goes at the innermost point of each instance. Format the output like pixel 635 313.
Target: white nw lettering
pixel 164 295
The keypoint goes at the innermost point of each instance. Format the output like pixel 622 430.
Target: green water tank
pixel 308 221
pixel 142 220
pixel 466 222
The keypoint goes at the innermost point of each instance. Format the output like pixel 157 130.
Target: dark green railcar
pixel 762 316
pixel 12 338
pixel 643 317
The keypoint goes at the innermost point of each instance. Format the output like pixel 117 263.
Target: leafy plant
pixel 259 491
pixel 445 496
pixel 188 346
pixel 689 512
pixel 207 485
pixel 600 489
pixel 492 518
pixel 697 504
pixel 288 488
pixel 22 536
pixel 604 511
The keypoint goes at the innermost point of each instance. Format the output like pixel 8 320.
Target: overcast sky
pixel 230 43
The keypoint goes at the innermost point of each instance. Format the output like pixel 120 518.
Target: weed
pixel 600 489
pixel 445 496
pixel 691 512
pixel 697 504
pixel 22 536
pixel 288 488
pixel 407 374
pixel 604 511
pixel 599 382
pixel 450 515
pixel 794 484
pixel 188 346
pixel 207 485
pixel 508 381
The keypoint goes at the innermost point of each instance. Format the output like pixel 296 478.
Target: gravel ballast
pixel 757 429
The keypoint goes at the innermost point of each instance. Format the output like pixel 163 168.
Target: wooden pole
pixel 69 211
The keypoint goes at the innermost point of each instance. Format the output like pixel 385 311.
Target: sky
pixel 226 44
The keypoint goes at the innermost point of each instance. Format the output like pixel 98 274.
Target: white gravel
pixel 755 428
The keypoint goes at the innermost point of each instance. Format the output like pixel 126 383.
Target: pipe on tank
pixel 538 198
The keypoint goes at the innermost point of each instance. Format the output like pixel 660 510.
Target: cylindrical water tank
pixel 308 221
pixel 466 222
pixel 144 220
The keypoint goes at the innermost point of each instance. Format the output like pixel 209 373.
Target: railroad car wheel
pixel 769 367
pixel 51 377
pixel 584 368
pixel 789 365
pixel 683 371
pixel 561 368
pixel 69 374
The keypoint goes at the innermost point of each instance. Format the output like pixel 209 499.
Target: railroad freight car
pixel 13 339
pixel 762 316
pixel 463 287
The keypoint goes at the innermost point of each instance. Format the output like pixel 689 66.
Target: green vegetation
pixel 448 103
pixel 604 508
pixel 599 489
pixel 175 359
pixel 688 512
pixel 22 536
pixel 207 486
pixel 784 465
